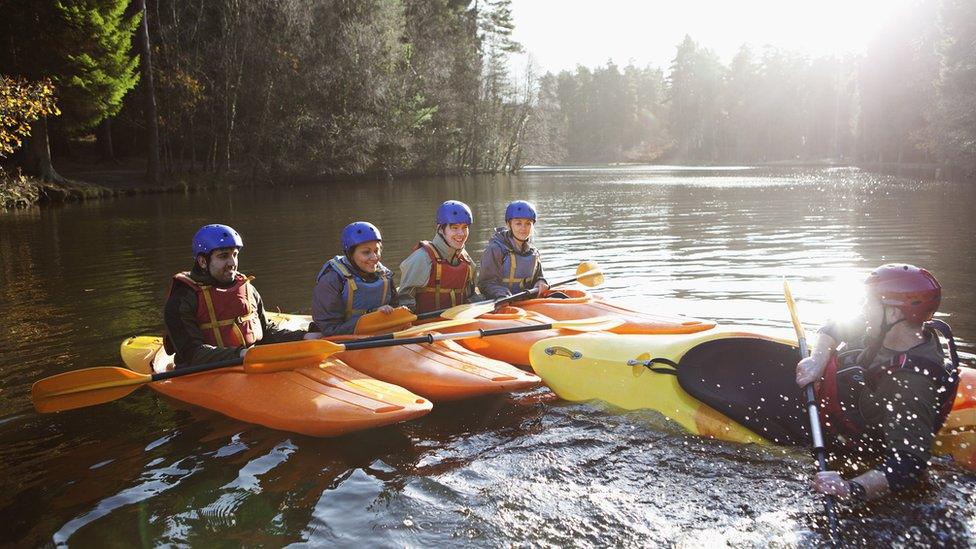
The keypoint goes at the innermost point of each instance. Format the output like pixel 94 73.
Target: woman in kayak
pixel 884 381
pixel 213 312
pixel 353 283
pixel 439 273
pixel 510 264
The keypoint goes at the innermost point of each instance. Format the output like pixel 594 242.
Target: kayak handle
pixel 672 366
pixel 563 351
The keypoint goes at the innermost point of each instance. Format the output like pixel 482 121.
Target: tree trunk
pixel 39 153
pixel 103 138
pixel 152 123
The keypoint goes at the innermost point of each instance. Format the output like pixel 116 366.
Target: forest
pixel 333 88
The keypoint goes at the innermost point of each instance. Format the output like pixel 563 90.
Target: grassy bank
pixel 18 191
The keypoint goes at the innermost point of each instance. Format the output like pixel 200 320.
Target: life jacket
pixel 447 284
pixel 360 295
pixel 227 316
pixel 844 381
pixel 521 270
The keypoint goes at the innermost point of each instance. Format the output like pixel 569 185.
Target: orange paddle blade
pixel 377 322
pixel 589 274
pixel 86 387
pixel 277 357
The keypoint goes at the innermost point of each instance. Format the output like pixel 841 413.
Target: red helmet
pixel 914 291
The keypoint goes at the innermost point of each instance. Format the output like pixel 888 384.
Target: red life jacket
pixel 226 316
pixel 448 285
pixel 844 380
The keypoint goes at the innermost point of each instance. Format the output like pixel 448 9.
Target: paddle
pixel 92 386
pixel 588 273
pixel 814 413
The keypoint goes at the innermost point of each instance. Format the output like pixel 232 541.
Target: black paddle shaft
pixel 521 296
pixel 431 338
pixel 187 370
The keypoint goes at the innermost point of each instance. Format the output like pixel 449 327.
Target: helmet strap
pixel 871 351
pixel 511 233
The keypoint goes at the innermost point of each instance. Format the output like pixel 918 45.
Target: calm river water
pixel 519 470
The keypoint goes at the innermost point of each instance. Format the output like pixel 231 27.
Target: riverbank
pixel 86 180
pixel 89 181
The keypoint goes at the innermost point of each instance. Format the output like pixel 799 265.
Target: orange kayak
pixel 440 371
pixel 325 401
pixel 582 304
pixel 510 348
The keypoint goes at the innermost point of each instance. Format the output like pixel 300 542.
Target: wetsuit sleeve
pixel 906 405
pixel 490 274
pixel 414 273
pixel 272 333
pixel 328 309
pixel 184 333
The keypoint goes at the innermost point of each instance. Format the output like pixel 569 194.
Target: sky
pixel 559 34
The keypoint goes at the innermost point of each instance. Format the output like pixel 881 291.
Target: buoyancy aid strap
pixel 523 282
pixel 511 272
pixel 236 323
pixel 214 324
pixel 350 280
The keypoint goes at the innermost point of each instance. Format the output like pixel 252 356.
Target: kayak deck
pixel 441 371
pixel 621 370
pixel 328 400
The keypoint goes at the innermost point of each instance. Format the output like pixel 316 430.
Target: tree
pixel 955 133
pixel 84 47
pixel 149 91
pixel 21 103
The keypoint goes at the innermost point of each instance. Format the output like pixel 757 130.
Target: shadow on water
pixel 524 469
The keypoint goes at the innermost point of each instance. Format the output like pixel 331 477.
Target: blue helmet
pixel 214 237
pixel 454 211
pixel 520 209
pixel 358 232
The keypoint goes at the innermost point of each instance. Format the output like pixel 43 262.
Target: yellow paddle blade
pixel 378 322
pixel 86 387
pixel 469 310
pixel 791 304
pixel 278 357
pixel 589 274
pixel 432 327
pixel 595 324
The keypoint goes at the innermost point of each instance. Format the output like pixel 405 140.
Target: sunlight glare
pixel 847 289
pixel 559 34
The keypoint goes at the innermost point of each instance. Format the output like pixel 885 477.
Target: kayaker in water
pixel 353 283
pixel 439 273
pixel 213 312
pixel 510 264
pixel 884 382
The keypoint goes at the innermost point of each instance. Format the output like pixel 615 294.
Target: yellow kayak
pixel 734 384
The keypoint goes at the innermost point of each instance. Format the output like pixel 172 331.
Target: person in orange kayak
pixel 510 264
pixel 439 273
pixel 884 382
pixel 213 312
pixel 353 283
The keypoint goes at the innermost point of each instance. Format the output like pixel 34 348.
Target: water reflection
pixel 714 243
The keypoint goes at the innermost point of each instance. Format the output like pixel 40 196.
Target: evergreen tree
pixel 85 48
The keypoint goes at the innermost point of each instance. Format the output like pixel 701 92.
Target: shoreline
pixel 87 181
